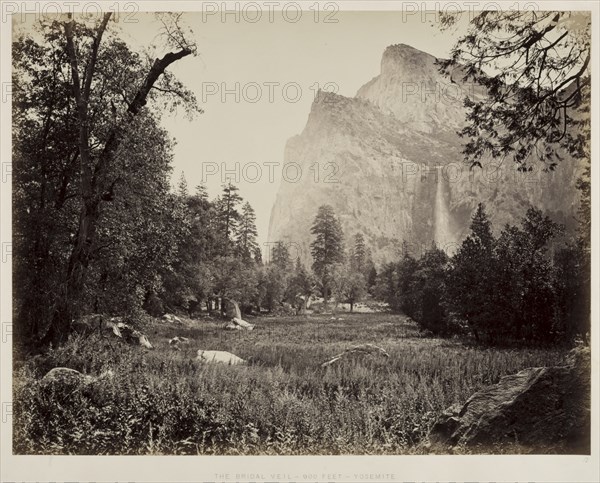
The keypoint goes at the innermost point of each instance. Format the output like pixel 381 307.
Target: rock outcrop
pixel 390 163
pixel 540 409
pixel 102 324
pixel 127 333
pixel 302 303
pixel 232 309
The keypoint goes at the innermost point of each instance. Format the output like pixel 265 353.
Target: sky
pixel 276 66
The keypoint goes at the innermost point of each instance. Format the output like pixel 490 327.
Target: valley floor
pixel 162 401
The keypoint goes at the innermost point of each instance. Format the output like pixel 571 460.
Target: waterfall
pixel 442 216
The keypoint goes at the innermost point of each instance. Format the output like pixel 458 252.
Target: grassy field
pixel 162 401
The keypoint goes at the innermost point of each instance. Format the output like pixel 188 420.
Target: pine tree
pixel 280 256
pixel 247 233
pixel 257 255
pixel 228 214
pixel 359 255
pixel 481 228
pixel 327 248
pixel 182 187
pixel 372 278
pixel 201 193
pixel 471 277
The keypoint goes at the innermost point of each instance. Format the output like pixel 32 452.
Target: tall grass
pixel 283 402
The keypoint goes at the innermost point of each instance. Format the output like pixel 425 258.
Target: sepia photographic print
pixel 299 241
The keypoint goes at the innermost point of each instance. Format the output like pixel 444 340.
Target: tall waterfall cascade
pixel 442 215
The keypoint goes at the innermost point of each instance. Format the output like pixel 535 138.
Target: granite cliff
pixel 389 161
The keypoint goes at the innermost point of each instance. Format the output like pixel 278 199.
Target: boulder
pixel 172 318
pixel 232 309
pixel 128 333
pixel 539 409
pixel 177 340
pixel 242 323
pixel 238 324
pixel 113 326
pixel 301 305
pixel 219 357
pixel 358 350
pixel 65 376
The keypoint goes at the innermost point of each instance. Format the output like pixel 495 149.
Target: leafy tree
pixel 349 285
pixel 386 285
pixel 429 282
pixel 275 278
pixel 524 278
pixel 88 133
pixel 190 280
pixel 573 294
pixel 535 67
pixel 234 279
pixel 327 248
pixel 407 296
pixel 275 287
pixel 302 283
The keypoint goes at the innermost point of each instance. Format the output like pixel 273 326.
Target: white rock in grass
pixel 242 323
pixel 219 357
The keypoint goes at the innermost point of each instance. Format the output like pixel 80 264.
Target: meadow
pixel 162 401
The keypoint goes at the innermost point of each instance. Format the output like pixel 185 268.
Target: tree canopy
pixel 535 68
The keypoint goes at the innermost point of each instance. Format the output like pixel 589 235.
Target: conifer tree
pixel 327 248
pixel 247 233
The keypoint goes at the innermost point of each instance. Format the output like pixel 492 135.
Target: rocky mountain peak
pixel 412 88
pixel 406 60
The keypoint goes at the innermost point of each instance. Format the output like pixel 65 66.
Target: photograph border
pixel 283 468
